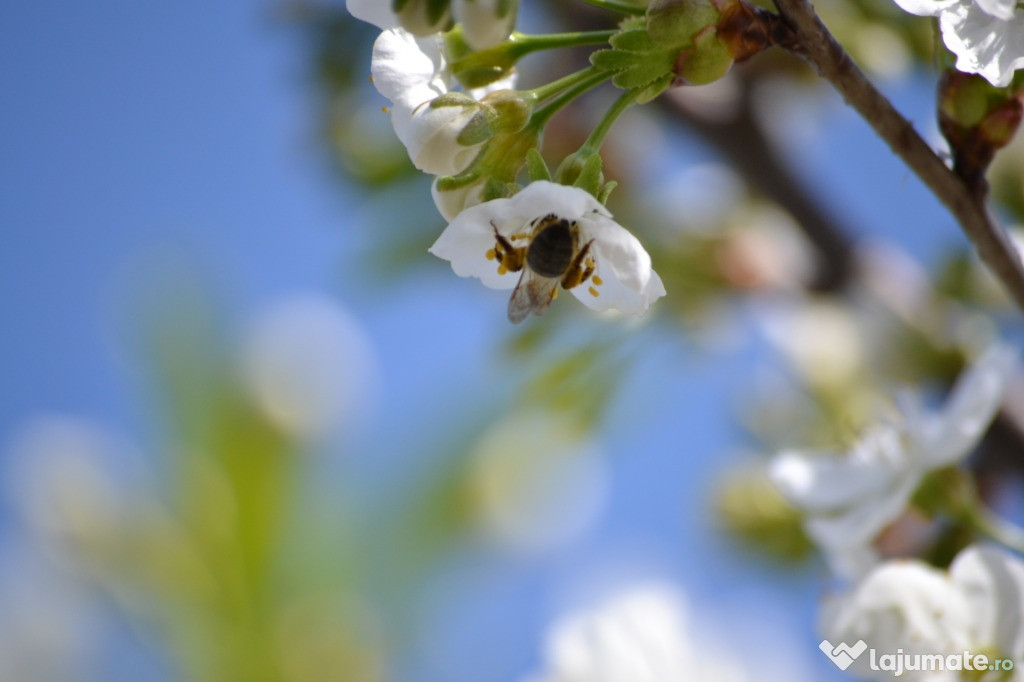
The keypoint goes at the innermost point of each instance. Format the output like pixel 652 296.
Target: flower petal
pixel 993 583
pixel 407 69
pixel 374 12
pixel 468 238
pixel 925 8
pixel 986 45
pixel 970 408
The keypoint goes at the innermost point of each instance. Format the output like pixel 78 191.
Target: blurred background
pixel 251 430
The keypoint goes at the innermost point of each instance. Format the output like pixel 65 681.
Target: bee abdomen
pixel 551 250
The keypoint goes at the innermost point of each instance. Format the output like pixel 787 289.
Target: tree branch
pixel 817 45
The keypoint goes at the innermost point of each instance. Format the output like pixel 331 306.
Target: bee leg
pixel 581 269
pixel 508 256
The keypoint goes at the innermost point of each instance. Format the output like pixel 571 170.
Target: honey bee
pixel 553 256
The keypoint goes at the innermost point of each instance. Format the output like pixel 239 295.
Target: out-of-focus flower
pixel 987 36
pixel 823 342
pixel 64 478
pixel 641 635
pixel 977 606
pixel 48 624
pixel 307 365
pixel 538 480
pixel 850 498
pixel 613 269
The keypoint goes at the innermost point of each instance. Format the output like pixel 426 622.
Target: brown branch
pixel 817 45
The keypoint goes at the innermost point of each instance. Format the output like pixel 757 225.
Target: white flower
pixel 307 365
pixel 640 635
pixel 987 36
pixel 414 17
pixel 850 498
pixel 977 606
pixel 485 22
pixel 621 277
pixel 411 72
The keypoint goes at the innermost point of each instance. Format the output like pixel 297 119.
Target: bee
pixel 553 256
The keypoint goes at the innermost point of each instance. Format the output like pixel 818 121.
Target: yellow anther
pixel 554 294
pixel 594 292
pixel 491 254
pixel 502 270
pixel 384 110
pixel 597 280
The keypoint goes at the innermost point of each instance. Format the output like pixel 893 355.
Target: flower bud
pixel 675 23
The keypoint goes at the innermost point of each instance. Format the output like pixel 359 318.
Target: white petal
pixel 431 139
pixel 468 238
pixel 612 294
pixel 1001 9
pixel 618 251
pixel 407 69
pixel 453 202
pixel 993 583
pixel 481 24
pixel 376 12
pixel 542 197
pixel 986 45
pixel 970 408
pixel 824 482
pixel 900 604
pixel 925 8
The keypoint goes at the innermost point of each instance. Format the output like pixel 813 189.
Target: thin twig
pixel 816 44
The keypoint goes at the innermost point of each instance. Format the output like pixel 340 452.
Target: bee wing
pixel 533 294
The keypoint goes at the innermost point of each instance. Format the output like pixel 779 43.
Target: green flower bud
pixel 675 23
pixel 705 61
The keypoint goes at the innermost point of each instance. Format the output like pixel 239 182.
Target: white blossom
pixel 308 366
pixel 639 635
pixel 848 499
pixel 412 73
pixel 483 23
pixel 622 277
pixel 977 606
pixel 987 36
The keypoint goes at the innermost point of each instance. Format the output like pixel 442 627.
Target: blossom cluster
pixel 475 140
pixel 850 500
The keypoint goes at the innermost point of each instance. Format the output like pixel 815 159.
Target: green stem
pixel 617 6
pixel 520 44
pixel 547 90
pixel 542 115
pixel 596 139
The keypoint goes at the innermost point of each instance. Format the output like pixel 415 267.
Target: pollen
pixel 491 254
pixel 502 270
pixel 594 292
pixel 597 280
pixel 384 110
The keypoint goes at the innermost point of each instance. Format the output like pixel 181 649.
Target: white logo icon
pixel 842 654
